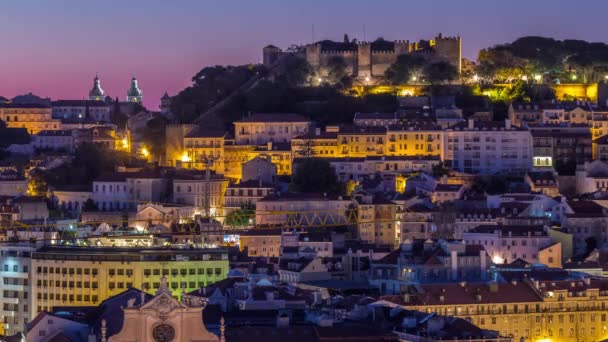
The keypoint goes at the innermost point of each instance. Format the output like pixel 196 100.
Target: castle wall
pixel 174 135
pixel 350 57
pixel 382 60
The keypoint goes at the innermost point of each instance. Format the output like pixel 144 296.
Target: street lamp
pixel 537 77
pixel 367 79
pixel 524 78
pixel 414 78
pixel 475 78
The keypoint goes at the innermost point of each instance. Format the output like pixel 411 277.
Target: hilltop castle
pixel 369 60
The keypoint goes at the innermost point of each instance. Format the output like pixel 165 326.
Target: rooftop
pixel 274 117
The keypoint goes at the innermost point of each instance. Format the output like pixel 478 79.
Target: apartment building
pixel 487 147
pixel 15 271
pixel 34 118
pixel 546 310
pixel 414 138
pixel 64 276
pixel 261 128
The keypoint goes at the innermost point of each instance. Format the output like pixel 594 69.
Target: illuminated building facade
pixel 63 276
pixel 261 128
pixel 15 270
pixel 487 147
pixel 415 139
pixel 33 117
pixel 537 311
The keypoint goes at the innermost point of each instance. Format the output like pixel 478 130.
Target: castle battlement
pixel 338 52
pixel 371 59
pixel 384 51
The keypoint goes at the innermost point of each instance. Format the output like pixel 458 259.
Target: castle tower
pixel 270 55
pixel 449 49
pixel 364 59
pixel 134 94
pixel 165 104
pixel 96 94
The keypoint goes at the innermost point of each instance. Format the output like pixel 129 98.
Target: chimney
pixel 317 131
pixel 471 123
pixel 454 264
pixel 507 124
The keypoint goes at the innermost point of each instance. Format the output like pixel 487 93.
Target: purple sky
pixel 54 47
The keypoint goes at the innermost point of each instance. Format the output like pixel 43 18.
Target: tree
pixel 440 72
pixel 316 175
pixel 296 71
pixel 405 69
pixel 338 73
pixel 241 217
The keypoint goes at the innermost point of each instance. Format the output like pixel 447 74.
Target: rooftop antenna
pixel 364 34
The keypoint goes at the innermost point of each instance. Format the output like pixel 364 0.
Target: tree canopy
pixel 542 56
pixel 405 68
pixel 316 175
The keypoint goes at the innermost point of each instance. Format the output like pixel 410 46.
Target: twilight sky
pixel 54 47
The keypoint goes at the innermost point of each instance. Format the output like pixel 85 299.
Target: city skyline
pixel 64 45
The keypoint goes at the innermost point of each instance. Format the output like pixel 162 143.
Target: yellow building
pixel 414 139
pixel 376 219
pixel 202 147
pixel 538 311
pixel 234 157
pixel 34 118
pixel 355 141
pixel 278 153
pixel 315 144
pixel 86 276
pixel 261 242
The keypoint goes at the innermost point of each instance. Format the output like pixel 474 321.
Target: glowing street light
pixel 537 77
pixel 366 78
pixel 524 78
pixel 475 78
pixel 574 77
pixel 185 157
pixel 145 152
pixel 414 78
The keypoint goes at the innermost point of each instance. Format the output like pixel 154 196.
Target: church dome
pixel 96 91
pixel 134 90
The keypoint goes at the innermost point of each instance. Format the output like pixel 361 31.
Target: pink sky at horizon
pixel 54 48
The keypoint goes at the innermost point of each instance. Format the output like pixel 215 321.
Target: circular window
pixel 163 333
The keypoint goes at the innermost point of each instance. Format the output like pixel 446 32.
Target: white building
pixel 193 189
pixel 72 199
pixel 505 244
pixel 245 194
pixel 15 263
pixel 12 184
pixel 259 129
pixel 60 139
pixel 592 177
pixel 356 168
pixel 487 147
pixel 123 190
pixel 98 111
